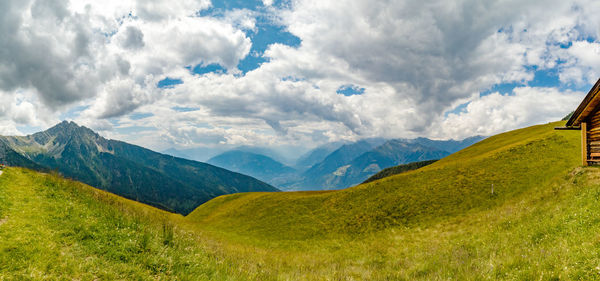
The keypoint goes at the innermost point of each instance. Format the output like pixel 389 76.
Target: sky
pixel 293 73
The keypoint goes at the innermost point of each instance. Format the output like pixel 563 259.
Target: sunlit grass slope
pixel 513 162
pixel 56 229
pixel 542 222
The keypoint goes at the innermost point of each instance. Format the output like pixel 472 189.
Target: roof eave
pixel 581 112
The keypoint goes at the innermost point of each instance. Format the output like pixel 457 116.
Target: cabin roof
pixel 587 106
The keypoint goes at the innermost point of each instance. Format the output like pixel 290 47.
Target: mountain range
pixel 259 166
pixel 171 183
pixel 316 155
pixel 391 153
pixel 179 185
pixel 328 172
pixel 203 154
pixel 339 165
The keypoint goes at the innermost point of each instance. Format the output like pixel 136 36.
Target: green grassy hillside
pixel 439 222
pixel 512 162
pixel 56 229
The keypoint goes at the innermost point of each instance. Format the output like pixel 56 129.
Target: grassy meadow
pixel 440 222
pixel 56 229
pixel 512 162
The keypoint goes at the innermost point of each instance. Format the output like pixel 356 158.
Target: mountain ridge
pixel 353 163
pixel 259 166
pixel 167 182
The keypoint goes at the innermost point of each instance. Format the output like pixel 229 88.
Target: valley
pixel 437 222
pixel 336 165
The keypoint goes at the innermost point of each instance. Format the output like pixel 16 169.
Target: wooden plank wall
pixel 593 137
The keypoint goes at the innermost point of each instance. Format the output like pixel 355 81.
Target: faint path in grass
pixel 0 173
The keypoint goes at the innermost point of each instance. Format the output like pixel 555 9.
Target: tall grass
pixel 59 229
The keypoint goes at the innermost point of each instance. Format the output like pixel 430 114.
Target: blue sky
pixel 266 32
pixel 201 73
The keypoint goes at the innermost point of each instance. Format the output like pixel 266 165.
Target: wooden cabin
pixel 587 119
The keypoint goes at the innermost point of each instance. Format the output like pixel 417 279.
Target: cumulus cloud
pixel 36 54
pixel 496 113
pixel 157 10
pixel 242 18
pixel 133 38
pixel 583 63
pixel 193 40
pixel 432 54
pixel 416 61
pixel 68 52
pixel 118 98
pixel 8 128
pixel 21 108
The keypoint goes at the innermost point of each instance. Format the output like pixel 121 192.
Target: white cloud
pixel 431 54
pixel 584 63
pixel 158 10
pixel 120 97
pixel 8 128
pixel 147 10
pixel 242 18
pixel 416 61
pixel 496 113
pixel 71 52
pixel 20 108
pixel 132 38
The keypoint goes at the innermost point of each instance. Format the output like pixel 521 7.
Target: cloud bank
pixel 442 69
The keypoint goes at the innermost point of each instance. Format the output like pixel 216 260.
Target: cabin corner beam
pixel 584 153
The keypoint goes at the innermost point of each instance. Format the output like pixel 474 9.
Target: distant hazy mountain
pixel 203 154
pixel 11 158
pixel 391 153
pixel 353 163
pixel 317 177
pixel 269 152
pixel 131 171
pixel 197 154
pixel 316 155
pixel 256 165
